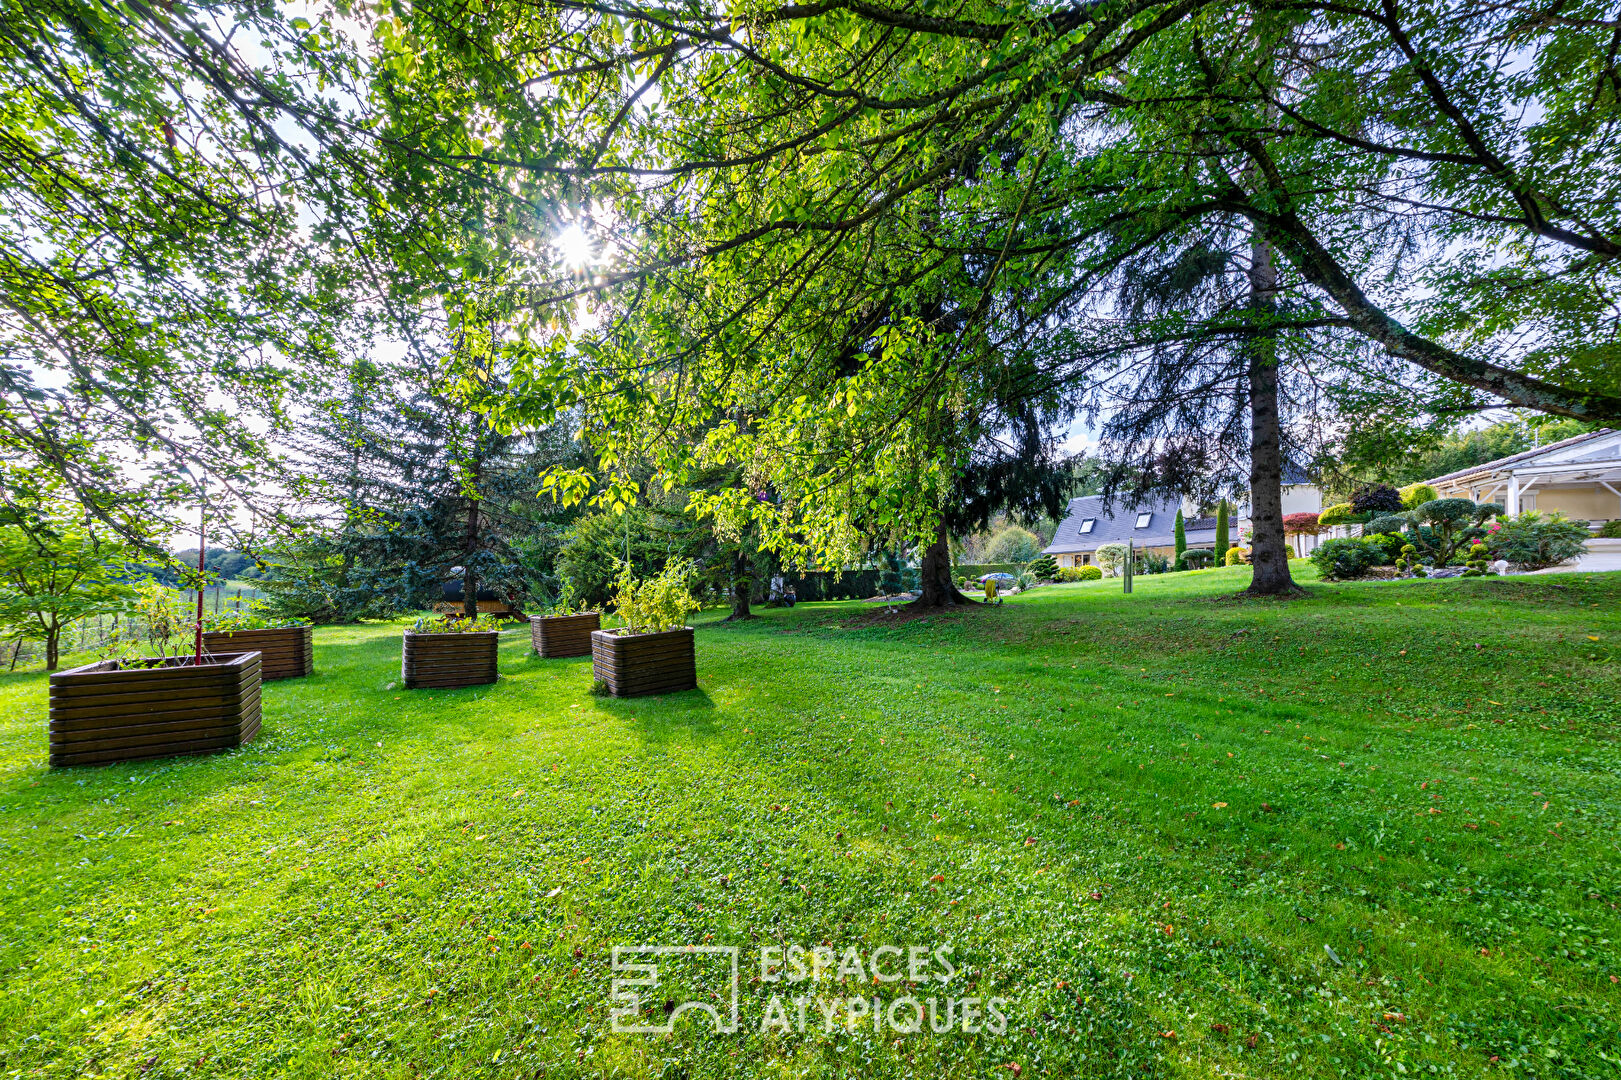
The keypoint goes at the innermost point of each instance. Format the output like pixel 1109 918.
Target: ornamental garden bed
pixel 632 665
pixel 563 635
pixel 465 658
pixel 126 710
pixel 286 652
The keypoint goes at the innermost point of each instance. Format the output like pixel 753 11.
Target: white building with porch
pixel 1580 476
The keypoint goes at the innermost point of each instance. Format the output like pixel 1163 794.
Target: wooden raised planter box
pixel 446 660
pixel 285 653
pixel 113 711
pixel 631 665
pixel 563 635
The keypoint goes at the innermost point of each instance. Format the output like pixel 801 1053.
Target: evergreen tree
pixel 418 492
pixel 1221 533
pixel 1181 538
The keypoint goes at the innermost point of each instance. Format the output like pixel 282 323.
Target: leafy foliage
pixel 655 604
pixel 1347 558
pixel 1377 499
pixel 56 569
pixel 1535 540
pixel 1013 544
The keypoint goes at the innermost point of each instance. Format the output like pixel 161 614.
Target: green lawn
pixel 1143 820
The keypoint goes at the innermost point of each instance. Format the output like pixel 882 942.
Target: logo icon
pixel 697 968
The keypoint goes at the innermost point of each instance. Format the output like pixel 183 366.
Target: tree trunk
pixel 1269 551
pixel 938 590
pixel 742 586
pixel 53 644
pixel 469 578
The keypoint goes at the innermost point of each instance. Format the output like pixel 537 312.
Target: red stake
pixel 202 551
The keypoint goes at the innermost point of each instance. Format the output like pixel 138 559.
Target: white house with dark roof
pixel 1150 524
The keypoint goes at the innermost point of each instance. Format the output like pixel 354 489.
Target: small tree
pixel 1377 499
pixel 1221 533
pixel 1301 525
pixel 1110 557
pixel 56 570
pixel 1451 524
pixel 1044 568
pixel 1182 537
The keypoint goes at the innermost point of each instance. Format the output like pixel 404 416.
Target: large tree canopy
pixel 838 246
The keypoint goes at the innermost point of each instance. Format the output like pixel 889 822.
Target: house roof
pixel 1525 456
pixel 1118 524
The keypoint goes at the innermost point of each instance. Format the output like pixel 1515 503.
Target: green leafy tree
pixel 56 569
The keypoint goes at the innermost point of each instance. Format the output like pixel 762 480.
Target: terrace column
pixel 1511 504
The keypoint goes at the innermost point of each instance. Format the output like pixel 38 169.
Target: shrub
pixel 1045 568
pixel 1221 530
pixel 657 603
pixel 1406 558
pixel 1611 530
pixel 1415 495
pixel 1536 541
pixel 1014 545
pixel 1238 556
pixel 1198 558
pixel 1477 560
pixel 1340 514
pixel 1086 573
pixel 1390 544
pixel 1110 557
pixel 453 624
pixel 1348 558
pixel 1377 498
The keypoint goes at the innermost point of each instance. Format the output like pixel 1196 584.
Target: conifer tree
pixel 1221 533
pixel 1181 539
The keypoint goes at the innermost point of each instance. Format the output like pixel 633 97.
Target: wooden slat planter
pixel 631 665
pixel 444 660
pixel 285 653
pixel 110 711
pixel 563 635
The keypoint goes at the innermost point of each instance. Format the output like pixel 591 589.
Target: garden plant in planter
pixel 653 652
pixel 438 653
pixel 563 630
pixel 285 646
pixel 130 708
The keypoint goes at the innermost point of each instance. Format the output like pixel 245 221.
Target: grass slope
pixel 1144 820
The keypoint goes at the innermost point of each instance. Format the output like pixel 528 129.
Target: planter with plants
pixel 563 630
pixel 148 707
pixel 285 646
pixel 448 652
pixel 652 653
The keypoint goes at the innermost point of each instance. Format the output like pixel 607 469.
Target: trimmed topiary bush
pixel 1198 558
pixel 1340 514
pixel 1044 568
pixel 1087 573
pixel 1415 495
pixel 1237 556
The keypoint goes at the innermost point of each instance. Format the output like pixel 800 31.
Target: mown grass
pixel 1146 821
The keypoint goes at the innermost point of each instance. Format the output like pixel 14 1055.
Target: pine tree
pixel 1181 539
